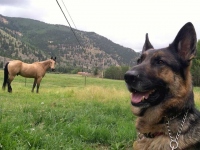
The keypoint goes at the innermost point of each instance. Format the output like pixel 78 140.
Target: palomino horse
pixel 35 70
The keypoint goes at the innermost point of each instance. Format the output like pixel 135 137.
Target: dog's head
pixel 162 75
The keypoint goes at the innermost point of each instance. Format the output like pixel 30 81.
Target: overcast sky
pixel 123 21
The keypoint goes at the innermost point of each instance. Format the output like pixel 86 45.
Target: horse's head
pixel 53 62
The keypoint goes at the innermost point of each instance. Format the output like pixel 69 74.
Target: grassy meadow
pixel 67 114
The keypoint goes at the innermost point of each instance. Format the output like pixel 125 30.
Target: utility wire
pixel 69 15
pixel 68 23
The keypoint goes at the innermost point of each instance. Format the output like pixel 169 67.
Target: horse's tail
pixel 5 76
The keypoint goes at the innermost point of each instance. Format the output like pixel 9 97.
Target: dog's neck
pixel 170 131
pixel 154 119
pixel 151 121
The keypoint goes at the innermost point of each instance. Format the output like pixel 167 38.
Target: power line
pixel 69 14
pixel 68 23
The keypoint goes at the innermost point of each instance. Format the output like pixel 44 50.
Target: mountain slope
pixel 31 40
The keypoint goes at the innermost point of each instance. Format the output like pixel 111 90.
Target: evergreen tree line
pixel 196 67
pixel 116 72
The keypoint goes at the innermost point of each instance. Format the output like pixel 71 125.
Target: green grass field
pixel 67 114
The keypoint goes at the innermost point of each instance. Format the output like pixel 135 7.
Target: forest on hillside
pixel 31 40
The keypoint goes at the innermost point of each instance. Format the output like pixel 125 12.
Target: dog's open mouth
pixel 145 92
pixel 137 96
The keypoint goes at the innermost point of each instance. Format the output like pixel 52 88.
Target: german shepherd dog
pixel 162 95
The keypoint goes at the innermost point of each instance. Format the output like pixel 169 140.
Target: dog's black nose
pixel 131 76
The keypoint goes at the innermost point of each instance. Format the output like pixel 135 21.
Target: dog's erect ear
pixel 185 42
pixel 147 44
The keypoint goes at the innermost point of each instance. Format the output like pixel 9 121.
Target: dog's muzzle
pixel 143 88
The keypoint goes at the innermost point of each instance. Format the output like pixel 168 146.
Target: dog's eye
pixel 139 61
pixel 159 62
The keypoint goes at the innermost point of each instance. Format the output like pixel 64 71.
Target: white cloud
pixel 123 21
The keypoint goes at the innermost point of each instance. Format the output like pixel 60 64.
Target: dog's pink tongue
pixel 137 97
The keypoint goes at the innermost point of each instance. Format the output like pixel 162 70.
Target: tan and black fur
pixel 161 91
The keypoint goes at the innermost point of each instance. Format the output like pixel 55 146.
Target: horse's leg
pixel 6 76
pixel 34 84
pixel 38 84
pixel 10 79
